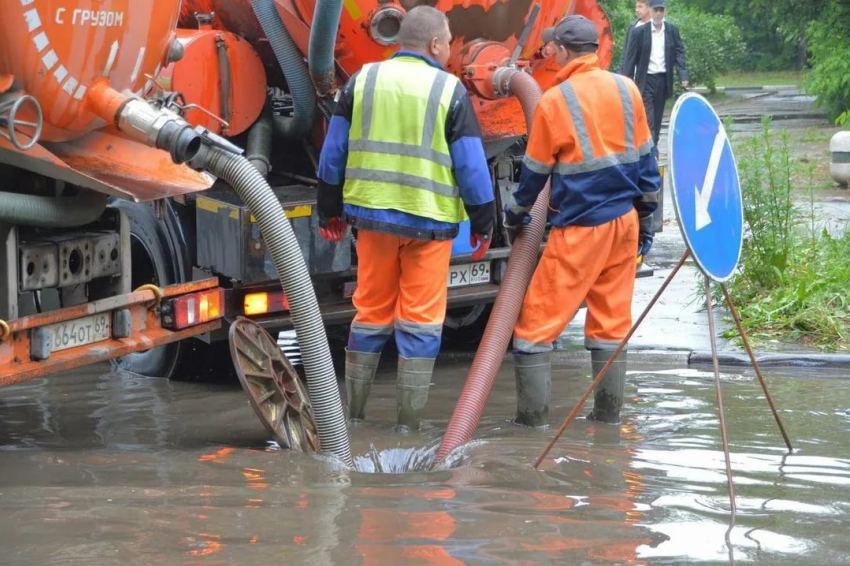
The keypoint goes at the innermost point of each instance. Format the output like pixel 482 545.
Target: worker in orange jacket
pixel 590 136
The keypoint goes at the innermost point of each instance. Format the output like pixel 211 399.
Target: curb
pixel 800 360
pixel 693 358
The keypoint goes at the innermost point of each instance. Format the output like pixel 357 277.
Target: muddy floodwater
pixel 100 468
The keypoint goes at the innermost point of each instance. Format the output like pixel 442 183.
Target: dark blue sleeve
pixel 649 184
pixel 530 185
pixel 334 152
pixel 471 171
pixel 466 147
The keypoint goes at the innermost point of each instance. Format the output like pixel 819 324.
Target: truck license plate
pixel 469 274
pixel 79 332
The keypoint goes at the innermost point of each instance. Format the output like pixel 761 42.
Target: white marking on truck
pixel 113 51
pixel 138 66
pixel 70 85
pixel 33 21
pixel 81 92
pixel 50 59
pixel 60 73
pixel 40 41
pixel 58 16
pixel 97 18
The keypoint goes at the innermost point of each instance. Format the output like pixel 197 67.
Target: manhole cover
pixel 274 389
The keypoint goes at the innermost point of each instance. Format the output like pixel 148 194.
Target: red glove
pixel 481 242
pixel 332 229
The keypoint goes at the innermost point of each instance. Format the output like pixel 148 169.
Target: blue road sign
pixel 705 187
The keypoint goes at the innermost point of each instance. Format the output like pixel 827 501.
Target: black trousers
pixel 654 96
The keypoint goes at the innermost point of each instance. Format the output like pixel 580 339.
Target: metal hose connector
pixel 497 335
pixel 294 71
pixel 285 252
pixel 51 212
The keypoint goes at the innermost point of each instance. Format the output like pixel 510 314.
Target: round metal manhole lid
pixel 274 389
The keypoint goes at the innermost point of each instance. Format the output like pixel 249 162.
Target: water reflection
pixel 101 468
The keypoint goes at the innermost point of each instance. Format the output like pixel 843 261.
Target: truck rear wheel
pixel 152 262
pixel 465 326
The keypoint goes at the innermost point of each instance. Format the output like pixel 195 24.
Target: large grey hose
pixel 51 212
pixel 294 69
pixel 286 255
pixel 258 148
pixel 320 53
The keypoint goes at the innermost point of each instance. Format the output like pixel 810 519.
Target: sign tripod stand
pixel 711 221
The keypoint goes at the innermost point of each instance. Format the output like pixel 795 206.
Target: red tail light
pixel 193 309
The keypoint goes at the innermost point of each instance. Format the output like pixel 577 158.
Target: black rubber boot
pixel 608 396
pixel 414 380
pixel 533 388
pixel 360 368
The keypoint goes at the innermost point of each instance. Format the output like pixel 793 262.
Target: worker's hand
pixel 480 244
pixel 685 84
pixel 645 236
pixel 332 229
pixel 515 222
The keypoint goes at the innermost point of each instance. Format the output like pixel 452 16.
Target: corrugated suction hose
pixel 500 327
pixel 294 71
pixel 292 270
pixel 51 212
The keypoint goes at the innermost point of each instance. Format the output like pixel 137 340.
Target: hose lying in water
pixel 294 71
pixel 51 212
pixel 500 327
pixel 289 262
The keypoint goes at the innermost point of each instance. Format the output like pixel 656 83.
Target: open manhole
pixel 274 389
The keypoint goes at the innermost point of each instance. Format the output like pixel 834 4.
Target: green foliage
pixel 794 278
pixel 829 44
pixel 713 44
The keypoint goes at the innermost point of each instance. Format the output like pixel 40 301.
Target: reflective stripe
pixel 646 148
pixel 531 347
pixel 578 120
pixel 598 344
pixel 628 110
pixel 537 166
pixel 419 328
pixel 405 179
pixel 431 110
pixel 395 148
pixel 650 197
pixel 369 100
pixel 371 329
pixel 588 165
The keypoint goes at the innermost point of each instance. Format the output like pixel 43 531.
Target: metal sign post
pixel 707 199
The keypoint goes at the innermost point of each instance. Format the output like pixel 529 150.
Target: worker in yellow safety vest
pixel 403 164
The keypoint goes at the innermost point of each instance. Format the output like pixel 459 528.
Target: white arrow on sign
pixel 702 198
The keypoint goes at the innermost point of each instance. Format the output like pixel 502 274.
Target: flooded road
pixel 102 468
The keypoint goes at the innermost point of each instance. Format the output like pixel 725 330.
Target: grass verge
pixel 794 276
pixel 762 79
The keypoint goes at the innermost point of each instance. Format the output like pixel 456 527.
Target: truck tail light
pixel 264 303
pixel 192 309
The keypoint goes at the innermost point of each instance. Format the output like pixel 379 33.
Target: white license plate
pixel 79 332
pixel 469 274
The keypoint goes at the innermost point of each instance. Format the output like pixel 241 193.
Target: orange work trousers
pixel 594 264
pixel 402 287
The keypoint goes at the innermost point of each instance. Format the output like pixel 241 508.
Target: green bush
pixel 829 44
pixel 713 44
pixel 793 277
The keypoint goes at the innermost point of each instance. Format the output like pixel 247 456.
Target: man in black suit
pixel 654 50
pixel 642 16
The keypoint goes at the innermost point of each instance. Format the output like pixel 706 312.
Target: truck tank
pixel 55 51
pixel 367 34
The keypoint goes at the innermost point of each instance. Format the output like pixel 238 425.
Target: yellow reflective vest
pixel 398 156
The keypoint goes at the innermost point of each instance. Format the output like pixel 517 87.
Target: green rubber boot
pixel 533 388
pixel 414 380
pixel 360 368
pixel 608 396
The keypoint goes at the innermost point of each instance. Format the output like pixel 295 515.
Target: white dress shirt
pixel 657 57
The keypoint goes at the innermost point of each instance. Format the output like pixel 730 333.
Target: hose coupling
pixel 160 128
